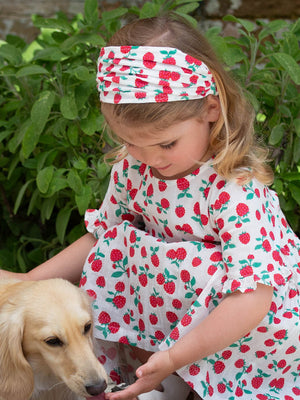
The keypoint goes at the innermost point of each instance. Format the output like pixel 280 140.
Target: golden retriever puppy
pixel 46 349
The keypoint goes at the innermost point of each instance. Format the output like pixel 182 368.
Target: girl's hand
pixel 149 375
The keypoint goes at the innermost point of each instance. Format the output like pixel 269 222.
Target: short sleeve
pixel 114 208
pixel 248 221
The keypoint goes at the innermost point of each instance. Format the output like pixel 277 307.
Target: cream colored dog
pixel 46 349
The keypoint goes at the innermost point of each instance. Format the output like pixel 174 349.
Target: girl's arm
pixel 67 264
pixel 233 318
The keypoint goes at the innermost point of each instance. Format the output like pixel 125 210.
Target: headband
pixel 146 74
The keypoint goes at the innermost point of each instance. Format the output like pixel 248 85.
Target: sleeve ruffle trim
pixel 94 223
pixel 246 284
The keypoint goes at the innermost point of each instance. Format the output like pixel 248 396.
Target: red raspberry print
pixel 159 335
pixel 221 388
pixel 100 281
pixel 83 280
pixel 183 184
pixel 160 279
pixel 194 370
pixel 140 95
pixel 126 319
pixel 143 280
pixel 226 354
pixel 104 318
pixel 113 327
pixel 185 275
pixel 120 286
pixel 119 301
pixel 92 294
pixel 180 211
pixel 153 319
pixel 247 271
pixel 162 186
pixel 116 255
pixel 242 209
pixel 196 261
pixel 224 197
pixel 211 270
pixel 125 49
pixel 161 98
pixel 174 334
pixel 117 98
pixel 148 60
pixel 244 238
pixel 177 304
pixel 219 367
pixel 170 61
pixel 186 320
pixel 169 287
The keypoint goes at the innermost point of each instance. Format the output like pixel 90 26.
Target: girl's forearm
pixel 233 318
pixel 67 264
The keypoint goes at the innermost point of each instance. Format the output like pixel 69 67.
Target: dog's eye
pixel 87 327
pixel 54 342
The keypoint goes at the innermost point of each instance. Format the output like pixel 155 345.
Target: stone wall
pixel 15 15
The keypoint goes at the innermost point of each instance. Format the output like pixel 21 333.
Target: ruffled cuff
pixel 246 284
pixel 95 222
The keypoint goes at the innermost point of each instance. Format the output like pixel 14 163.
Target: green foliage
pixel 51 141
pixel 265 59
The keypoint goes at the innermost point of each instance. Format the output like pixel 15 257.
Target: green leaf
pixel 295 192
pixel 12 54
pixel 74 181
pixel 296 154
pixel 68 107
pixel 83 200
pixel 62 221
pixel 91 11
pixel 31 70
pixel 49 54
pixel 30 140
pixel 289 65
pixel 276 135
pixel 297 126
pixel 60 24
pixel 114 14
pixel 21 195
pixel 44 178
pixel 41 109
pixel 247 25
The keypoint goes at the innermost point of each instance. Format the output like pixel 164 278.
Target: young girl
pixel 189 258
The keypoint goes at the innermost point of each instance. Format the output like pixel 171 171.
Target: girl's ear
pixel 213 108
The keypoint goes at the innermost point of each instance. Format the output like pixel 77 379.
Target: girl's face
pixel 172 152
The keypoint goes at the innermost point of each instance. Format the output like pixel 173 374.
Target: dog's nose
pixel 96 388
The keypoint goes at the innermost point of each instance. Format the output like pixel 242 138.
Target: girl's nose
pixel 150 156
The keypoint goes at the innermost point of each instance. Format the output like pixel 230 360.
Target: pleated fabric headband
pixel 146 74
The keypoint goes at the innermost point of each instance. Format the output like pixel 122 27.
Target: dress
pixel 167 253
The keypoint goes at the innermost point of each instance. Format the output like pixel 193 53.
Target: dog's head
pixel 46 338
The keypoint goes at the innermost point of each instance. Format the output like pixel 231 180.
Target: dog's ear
pixel 16 375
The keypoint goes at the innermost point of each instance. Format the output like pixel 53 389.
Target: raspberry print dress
pixel 167 253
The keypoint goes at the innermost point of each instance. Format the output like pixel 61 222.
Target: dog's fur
pixel 46 349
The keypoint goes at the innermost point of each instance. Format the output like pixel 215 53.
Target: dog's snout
pixel 96 388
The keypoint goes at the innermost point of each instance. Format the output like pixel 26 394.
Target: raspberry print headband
pixel 146 74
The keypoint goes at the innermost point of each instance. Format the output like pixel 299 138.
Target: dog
pixel 46 346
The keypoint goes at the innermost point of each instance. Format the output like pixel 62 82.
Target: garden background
pixel 52 141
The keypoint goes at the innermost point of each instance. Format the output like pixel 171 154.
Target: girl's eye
pixel 168 146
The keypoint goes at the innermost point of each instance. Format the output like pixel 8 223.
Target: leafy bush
pixel 51 140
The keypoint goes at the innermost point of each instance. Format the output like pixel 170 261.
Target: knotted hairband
pixel 146 74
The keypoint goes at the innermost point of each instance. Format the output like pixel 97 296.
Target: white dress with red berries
pixel 167 253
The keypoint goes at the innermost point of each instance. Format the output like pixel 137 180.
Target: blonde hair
pixel 237 155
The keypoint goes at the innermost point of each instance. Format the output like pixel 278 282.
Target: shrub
pixel 51 130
